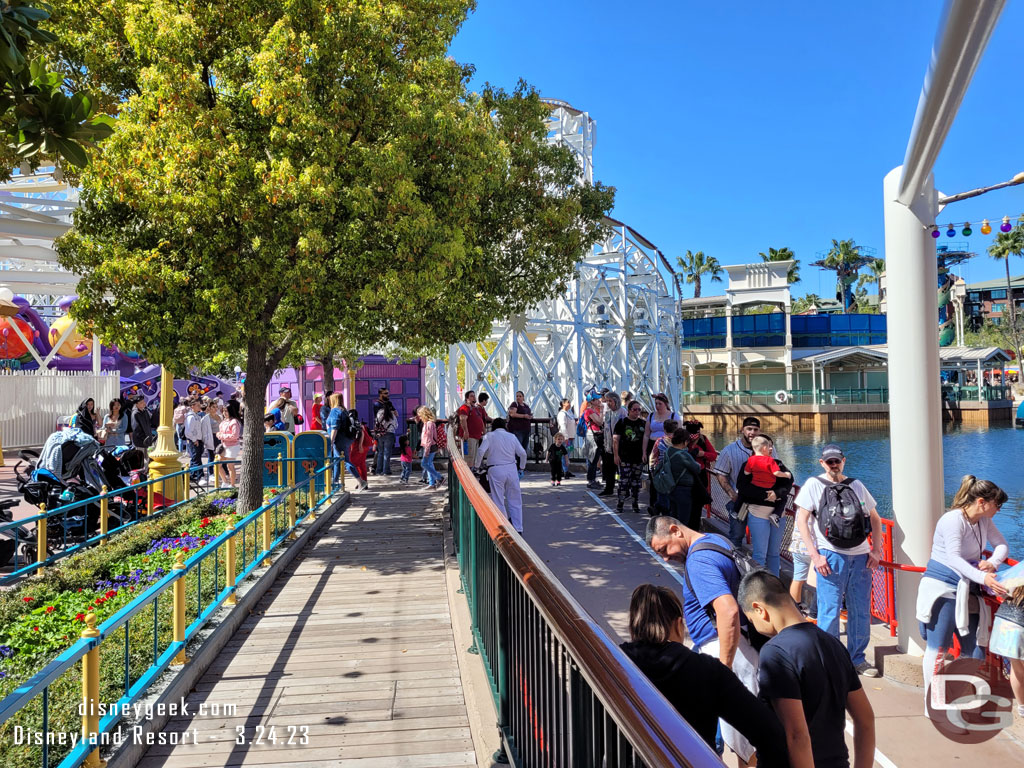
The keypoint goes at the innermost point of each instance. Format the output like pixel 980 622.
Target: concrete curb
pixel 207 645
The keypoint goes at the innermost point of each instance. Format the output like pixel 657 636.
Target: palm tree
pixel 877 268
pixel 806 302
pixel 696 264
pixel 845 259
pixel 1009 244
pixel 784 254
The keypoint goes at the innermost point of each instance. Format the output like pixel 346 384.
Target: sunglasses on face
pixel 833 462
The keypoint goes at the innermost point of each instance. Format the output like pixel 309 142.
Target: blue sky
pixel 732 127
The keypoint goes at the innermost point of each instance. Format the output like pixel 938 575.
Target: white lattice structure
pixel 615 326
pixel 35 209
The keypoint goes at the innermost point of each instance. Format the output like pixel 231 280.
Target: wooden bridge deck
pixel 351 649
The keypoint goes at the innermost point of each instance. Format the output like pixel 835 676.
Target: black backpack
pixel 841 516
pixel 346 429
pixel 745 563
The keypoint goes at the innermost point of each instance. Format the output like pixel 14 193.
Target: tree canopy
pixel 784 254
pixel 283 171
pixel 42 117
pixel 696 265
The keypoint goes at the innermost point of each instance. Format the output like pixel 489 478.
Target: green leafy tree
pixel 845 259
pixel 292 171
pixel 41 118
pixel 784 254
pixel 696 265
pixel 805 302
pixel 1009 244
pixel 876 268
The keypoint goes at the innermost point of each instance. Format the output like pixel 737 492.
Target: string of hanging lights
pixel 966 231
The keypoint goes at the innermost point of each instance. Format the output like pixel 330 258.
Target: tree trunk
pixel 327 363
pixel 696 286
pixel 250 485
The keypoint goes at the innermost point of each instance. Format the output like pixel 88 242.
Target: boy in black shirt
pixel 556 452
pixel 807 677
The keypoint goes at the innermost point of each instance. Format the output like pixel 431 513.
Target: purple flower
pixel 6 651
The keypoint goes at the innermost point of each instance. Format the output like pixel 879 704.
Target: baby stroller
pixel 64 471
pixel 17 540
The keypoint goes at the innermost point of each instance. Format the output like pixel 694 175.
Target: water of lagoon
pixel 993 453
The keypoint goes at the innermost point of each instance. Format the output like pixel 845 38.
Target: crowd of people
pixel 786 680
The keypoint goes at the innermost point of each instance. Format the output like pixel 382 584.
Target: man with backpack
pixel 717 627
pixel 673 477
pixel 835 514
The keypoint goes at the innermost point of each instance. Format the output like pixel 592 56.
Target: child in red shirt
pixel 764 475
pixel 763 469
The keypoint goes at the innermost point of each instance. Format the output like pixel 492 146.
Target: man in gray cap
pixel 834 515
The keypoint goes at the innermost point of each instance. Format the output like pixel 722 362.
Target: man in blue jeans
pixel 844 572
pixel 727 470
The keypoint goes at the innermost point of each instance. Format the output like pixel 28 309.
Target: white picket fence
pixel 31 402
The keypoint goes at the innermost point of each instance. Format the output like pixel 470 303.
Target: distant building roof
pixel 995 285
pixel 972 355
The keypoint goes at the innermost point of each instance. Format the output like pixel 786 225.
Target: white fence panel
pixel 31 402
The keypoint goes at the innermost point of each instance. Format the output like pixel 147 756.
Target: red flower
pixel 50 609
pixel 35 629
pixel 79 589
pixel 79 617
pixel 89 607
pixel 184 534
pixel 28 599
pixel 100 600
pixel 110 593
pixel 184 549
pixel 167 549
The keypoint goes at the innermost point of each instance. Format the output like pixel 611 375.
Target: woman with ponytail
pixel 949 597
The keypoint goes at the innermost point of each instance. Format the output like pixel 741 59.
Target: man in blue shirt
pixel 710 610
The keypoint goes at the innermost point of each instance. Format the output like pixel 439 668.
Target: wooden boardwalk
pixel 352 649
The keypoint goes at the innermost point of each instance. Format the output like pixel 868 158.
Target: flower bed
pixel 44 615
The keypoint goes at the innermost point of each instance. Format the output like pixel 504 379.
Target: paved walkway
pixel 593 553
pixel 354 644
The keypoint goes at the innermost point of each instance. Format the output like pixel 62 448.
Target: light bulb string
pixel 994 221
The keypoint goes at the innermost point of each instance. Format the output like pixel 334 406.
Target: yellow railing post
pixel 292 508
pixel 149 499
pixel 41 537
pixel 327 480
pixel 216 475
pixel 187 480
pixel 229 560
pixel 312 503
pixel 280 472
pixel 265 520
pixel 179 607
pixel 103 515
pixel 91 691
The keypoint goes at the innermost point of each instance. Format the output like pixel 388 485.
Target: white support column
pixel 981 380
pixel 96 361
pixel 814 383
pixel 915 405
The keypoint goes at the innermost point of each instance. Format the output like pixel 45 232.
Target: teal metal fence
pixel 196 588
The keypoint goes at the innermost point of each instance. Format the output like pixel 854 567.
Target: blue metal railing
pixel 276 524
pixel 57 519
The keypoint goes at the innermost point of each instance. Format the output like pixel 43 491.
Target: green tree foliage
pixel 41 118
pixel 876 268
pixel 289 170
pixel 696 265
pixel 1009 244
pixel 784 254
pixel 805 302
